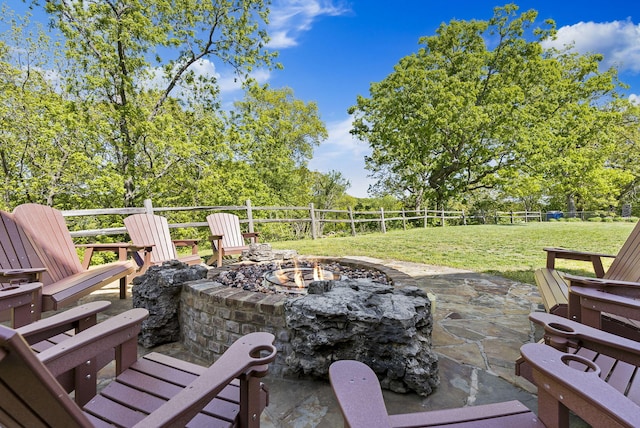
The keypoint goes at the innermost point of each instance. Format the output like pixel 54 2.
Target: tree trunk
pixel 571 205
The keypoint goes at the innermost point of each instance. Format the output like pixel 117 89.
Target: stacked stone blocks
pixel 213 316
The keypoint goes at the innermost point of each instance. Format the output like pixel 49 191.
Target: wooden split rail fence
pixel 315 218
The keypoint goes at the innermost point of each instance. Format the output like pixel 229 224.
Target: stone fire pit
pixel 387 326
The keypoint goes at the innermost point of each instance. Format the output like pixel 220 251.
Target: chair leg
pixel 213 259
pixel 249 401
pixel 123 287
pixel 551 412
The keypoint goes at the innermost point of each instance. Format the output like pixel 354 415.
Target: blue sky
pixel 332 50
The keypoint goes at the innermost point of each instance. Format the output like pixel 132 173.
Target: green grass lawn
pixel 511 251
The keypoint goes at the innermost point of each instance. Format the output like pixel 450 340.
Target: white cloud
pixel 617 41
pixel 634 99
pixel 289 18
pixel 281 40
pixel 230 82
pixel 227 81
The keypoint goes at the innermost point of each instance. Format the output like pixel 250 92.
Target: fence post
pixel 426 217
pixel 312 214
pixel 353 223
pixel 148 206
pixel 464 219
pixel 250 216
pixel 442 218
pixel 511 216
pixel 382 224
pixel 404 221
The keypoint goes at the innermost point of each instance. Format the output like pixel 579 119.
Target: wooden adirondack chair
pixel 152 391
pixel 226 236
pixel 152 231
pixel 565 388
pixel 622 277
pixel 20 271
pixel 48 245
pixel 617 359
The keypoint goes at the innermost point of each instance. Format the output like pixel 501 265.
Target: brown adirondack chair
pixel 152 231
pixel 565 388
pixel 622 278
pixel 19 267
pixel 152 391
pixel 617 358
pixel 20 271
pixel 49 246
pixel 226 237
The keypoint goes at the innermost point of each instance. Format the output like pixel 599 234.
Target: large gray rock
pixel 158 290
pixel 386 328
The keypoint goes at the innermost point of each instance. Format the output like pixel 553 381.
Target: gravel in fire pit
pixel 250 276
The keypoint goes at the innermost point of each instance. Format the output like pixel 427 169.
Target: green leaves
pixel 275 134
pixel 479 101
pixel 113 45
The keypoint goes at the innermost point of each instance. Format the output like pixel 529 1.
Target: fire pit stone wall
pixel 213 315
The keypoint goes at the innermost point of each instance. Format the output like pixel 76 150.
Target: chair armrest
pixel 566 253
pixel 252 236
pixel 554 253
pixel 600 282
pixel 359 395
pixel 28 274
pixel 143 261
pixel 245 357
pixel 145 247
pixel 121 249
pixel 108 246
pixel 185 242
pixel 582 392
pixel 110 334
pixel 216 242
pixel 563 333
pixel 116 245
pixel 588 304
pixel 78 318
pixel 193 243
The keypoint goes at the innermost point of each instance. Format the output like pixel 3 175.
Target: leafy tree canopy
pixel 132 59
pixel 480 99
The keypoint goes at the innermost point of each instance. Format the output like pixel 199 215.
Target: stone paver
pixel 480 322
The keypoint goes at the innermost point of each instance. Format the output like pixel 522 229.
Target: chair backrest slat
pixel 146 229
pixel 17 251
pixel 626 265
pixel 47 228
pixel 227 225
